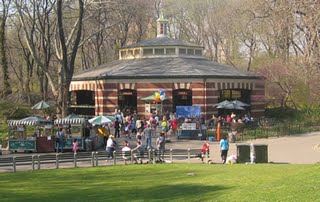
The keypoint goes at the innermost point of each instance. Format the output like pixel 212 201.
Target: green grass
pixel 166 182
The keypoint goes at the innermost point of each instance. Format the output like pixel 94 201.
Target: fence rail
pixel 92 159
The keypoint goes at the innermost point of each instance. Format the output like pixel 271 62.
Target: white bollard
pixel 252 154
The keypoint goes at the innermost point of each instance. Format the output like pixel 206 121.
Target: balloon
pixel 156 99
pixel 164 128
pixel 164 124
pixel 158 95
pixel 155 93
pixel 162 97
pixel 161 92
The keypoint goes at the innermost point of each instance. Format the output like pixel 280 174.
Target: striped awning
pixel 71 121
pixel 29 121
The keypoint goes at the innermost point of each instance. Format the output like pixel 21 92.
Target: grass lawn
pixel 166 182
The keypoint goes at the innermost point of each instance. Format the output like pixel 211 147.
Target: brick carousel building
pixel 173 65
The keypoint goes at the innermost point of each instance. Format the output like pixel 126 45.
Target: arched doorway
pixel 182 97
pixel 127 100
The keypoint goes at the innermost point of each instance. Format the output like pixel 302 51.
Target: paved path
pixel 300 149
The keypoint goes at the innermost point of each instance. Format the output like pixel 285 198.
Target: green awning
pixel 148 98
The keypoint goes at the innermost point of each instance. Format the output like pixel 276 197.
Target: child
pixel 205 148
pixel 75 146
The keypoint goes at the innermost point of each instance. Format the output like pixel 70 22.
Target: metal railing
pixel 93 159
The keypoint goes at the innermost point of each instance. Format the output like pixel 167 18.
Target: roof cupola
pixel 162 27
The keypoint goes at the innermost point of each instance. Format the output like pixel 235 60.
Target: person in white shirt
pixel 111 145
pixel 126 153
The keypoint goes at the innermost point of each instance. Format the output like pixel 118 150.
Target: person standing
pixel 75 146
pixel 224 147
pixel 218 130
pixel 161 146
pixel 117 128
pixel 111 145
pixel 148 135
pixel 60 140
pixel 204 150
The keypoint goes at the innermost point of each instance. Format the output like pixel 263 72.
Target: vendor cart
pixel 74 127
pixel 32 134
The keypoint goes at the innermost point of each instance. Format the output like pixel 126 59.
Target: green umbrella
pixel 148 98
pixel 100 120
pixel 112 118
pixel 41 105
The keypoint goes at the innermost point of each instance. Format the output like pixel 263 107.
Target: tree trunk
pixel 3 54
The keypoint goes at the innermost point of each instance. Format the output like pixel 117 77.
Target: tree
pixel 6 88
pixel 50 33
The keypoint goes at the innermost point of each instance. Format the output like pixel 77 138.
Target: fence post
pixel 188 155
pixel 207 156
pixel 57 161
pixel 149 156
pixel 32 162
pixel 39 162
pixel 14 164
pixel 114 158
pixel 131 157
pixel 97 159
pixel 171 158
pixel 92 159
pixel 154 156
pixel 75 159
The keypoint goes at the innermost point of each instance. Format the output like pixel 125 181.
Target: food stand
pixel 74 127
pixel 40 141
pixel 191 128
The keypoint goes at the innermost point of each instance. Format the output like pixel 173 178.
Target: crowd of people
pixel 131 126
pixel 143 129
pixel 230 118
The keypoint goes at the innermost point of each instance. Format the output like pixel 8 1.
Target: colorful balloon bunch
pixel 160 95
pixel 164 125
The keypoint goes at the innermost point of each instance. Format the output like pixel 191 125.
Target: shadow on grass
pixel 179 192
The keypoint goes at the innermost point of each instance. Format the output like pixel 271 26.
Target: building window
pixel 136 53
pixel 148 51
pixel 190 52
pixel 130 53
pixel 123 54
pixel 231 95
pixel 182 51
pixel 170 51
pixel 161 28
pixel 159 51
pixel 198 52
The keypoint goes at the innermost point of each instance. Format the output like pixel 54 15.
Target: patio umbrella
pixel 230 105
pixel 41 105
pixel 112 118
pixel 100 120
pixel 240 103
pixel 222 103
pixel 148 98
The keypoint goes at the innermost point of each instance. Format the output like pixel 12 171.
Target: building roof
pixel 164 67
pixel 161 41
